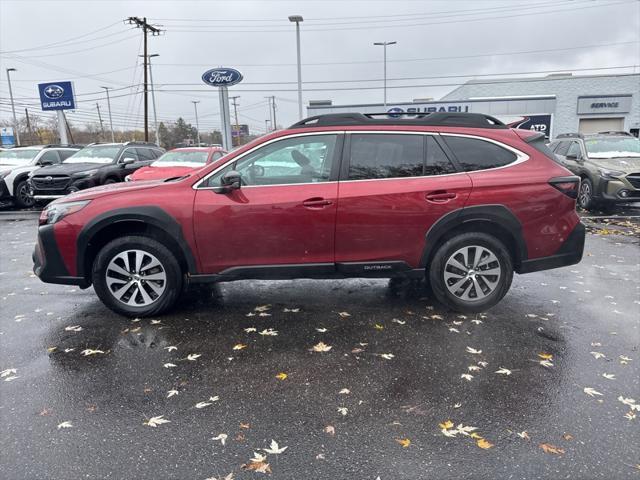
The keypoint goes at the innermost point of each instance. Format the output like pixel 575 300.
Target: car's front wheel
pixel 137 276
pixel 23 197
pixel 471 272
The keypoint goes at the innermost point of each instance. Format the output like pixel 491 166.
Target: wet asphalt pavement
pixel 370 406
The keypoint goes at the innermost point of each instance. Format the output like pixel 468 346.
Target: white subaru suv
pixel 17 163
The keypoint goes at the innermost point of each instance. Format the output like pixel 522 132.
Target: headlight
pixel 57 211
pixel 87 173
pixel 610 174
pixel 127 178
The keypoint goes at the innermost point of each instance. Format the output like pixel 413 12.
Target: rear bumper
pixel 47 261
pixel 569 253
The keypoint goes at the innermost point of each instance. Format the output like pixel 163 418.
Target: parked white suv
pixel 17 163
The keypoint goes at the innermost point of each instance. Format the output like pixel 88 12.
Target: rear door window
pixel 475 154
pixel 378 156
pixel 574 150
pixel 437 161
pixel 146 154
pixel 64 154
pixel 50 156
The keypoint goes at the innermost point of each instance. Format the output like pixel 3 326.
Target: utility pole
pixel 195 106
pixel 297 19
pixel 273 107
pixel 113 138
pixel 13 107
pixel 100 118
pixel 234 102
pixel 26 114
pixel 384 45
pixel 154 31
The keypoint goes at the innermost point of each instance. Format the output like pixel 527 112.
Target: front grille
pixel 51 182
pixel 634 179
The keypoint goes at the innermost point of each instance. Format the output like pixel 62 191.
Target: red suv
pixel 177 162
pixel 460 199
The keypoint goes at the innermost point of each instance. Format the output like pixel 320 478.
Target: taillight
pixel 567 185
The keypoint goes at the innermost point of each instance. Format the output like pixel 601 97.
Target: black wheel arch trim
pixel 152 215
pixel 492 214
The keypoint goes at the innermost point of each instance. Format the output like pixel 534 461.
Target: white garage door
pixel 595 125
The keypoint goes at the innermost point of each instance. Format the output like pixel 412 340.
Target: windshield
pixel 18 157
pixel 105 154
pixel 181 159
pixel 613 147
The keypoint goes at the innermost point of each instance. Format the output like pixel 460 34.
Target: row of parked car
pixel 46 172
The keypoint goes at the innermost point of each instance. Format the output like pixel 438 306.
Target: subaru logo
pixel 53 91
pixel 49 178
pixel 395 112
pixel 222 77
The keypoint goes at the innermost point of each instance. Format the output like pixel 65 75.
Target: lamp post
pixel 297 19
pixel 153 98
pixel 13 107
pixel 195 107
pixel 384 45
pixel 106 89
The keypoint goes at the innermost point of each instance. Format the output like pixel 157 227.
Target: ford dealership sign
pixel 222 77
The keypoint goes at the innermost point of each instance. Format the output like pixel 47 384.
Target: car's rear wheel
pixel 22 196
pixel 471 272
pixel 585 195
pixel 137 276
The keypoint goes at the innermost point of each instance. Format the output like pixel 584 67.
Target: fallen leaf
pixel 546 363
pixel 222 438
pixel 260 467
pixel 73 328
pixel 90 351
pixel 609 376
pixel 171 348
pixel 387 356
pixel 321 330
pixel 473 351
pixel 66 424
pixel 567 436
pixel 545 356
pixel 321 347
pixel 282 376
pixel 239 346
pixel 171 393
pixel 344 314
pixel 523 434
pixel 377 326
pixel 330 429
pixel 269 332
pixel 399 322
pixel 473 368
pixel 262 308
pixel 591 391
pixel 169 365
pixel 343 410
pixel 193 356
pixel 344 391
pixel 250 329
pixel 405 442
pixel 597 355
pixel 155 421
pixel 447 424
pixel 274 448
pixel 548 448
pixel 8 372
pixel 503 371
pixel 466 376
pixel 291 310
pixel 484 444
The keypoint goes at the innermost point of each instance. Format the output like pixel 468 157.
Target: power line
pixel 59 54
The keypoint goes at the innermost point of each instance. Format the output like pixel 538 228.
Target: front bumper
pixel 47 261
pixel 569 253
pixel 617 191
pixel 4 191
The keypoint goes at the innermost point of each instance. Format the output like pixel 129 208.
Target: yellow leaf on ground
pixel 545 356
pixel 548 448
pixel 405 442
pixel 282 376
pixel 377 326
pixel 239 346
pixel 484 444
pixel 475 436
pixel 446 424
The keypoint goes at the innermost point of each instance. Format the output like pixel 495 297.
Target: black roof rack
pixel 64 145
pixel 472 120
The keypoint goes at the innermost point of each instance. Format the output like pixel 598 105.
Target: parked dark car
pixel 96 164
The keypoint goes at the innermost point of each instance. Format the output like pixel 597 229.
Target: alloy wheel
pixel 136 278
pixel 584 197
pixel 472 273
pixel 24 197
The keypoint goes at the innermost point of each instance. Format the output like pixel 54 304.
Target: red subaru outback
pixel 460 199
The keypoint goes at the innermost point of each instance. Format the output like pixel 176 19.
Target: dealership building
pixel 555 104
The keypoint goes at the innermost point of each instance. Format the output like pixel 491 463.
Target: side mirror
pixel 128 160
pixel 572 157
pixel 46 163
pixel 229 181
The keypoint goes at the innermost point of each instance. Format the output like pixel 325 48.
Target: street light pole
pixel 113 138
pixel 384 45
pixel 195 106
pixel 13 107
pixel 297 19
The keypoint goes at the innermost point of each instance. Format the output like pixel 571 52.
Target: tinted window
pixel 540 145
pixel 145 154
pixel 64 154
pixel 574 150
pixel 386 156
pixel 437 162
pixel 216 156
pixel 475 154
pixel 129 153
pixel 50 156
pixel 562 148
pixel 305 159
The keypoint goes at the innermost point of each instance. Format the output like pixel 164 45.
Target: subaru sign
pixel 222 77
pixel 413 111
pixel 57 96
pixel 7 139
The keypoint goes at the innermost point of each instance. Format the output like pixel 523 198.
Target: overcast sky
pixel 93 47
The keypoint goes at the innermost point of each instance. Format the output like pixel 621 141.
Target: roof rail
pixel 570 135
pixel 472 120
pixel 135 142
pixel 616 132
pixel 59 145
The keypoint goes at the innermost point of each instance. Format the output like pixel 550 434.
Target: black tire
pixel 109 181
pixel 172 283
pixel 585 195
pixel 21 195
pixel 489 295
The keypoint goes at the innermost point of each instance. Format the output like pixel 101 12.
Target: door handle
pixel 440 196
pixel 317 202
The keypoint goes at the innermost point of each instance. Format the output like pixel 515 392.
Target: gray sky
pixel 337 38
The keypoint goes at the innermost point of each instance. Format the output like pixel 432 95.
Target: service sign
pixel 57 96
pixel 222 77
